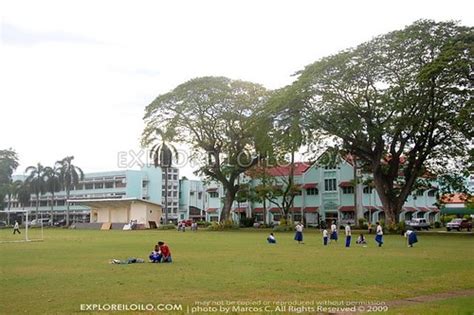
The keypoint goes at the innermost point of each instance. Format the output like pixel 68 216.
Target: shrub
pixel 437 224
pixel 203 223
pixel 247 222
pixel 283 221
pixel 166 227
pixel 283 228
pixel 220 226
pixel 362 224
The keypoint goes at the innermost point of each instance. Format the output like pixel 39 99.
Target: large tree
pixel 216 118
pixel 69 176
pixel 36 179
pixel 8 164
pixel 53 185
pixel 401 103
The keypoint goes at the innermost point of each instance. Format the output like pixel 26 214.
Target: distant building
pixel 145 184
pixel 326 194
pixel 191 200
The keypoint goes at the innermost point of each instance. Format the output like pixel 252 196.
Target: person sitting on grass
pixel 131 260
pixel 155 255
pixel 411 237
pixel 361 239
pixel 165 252
pixel 271 239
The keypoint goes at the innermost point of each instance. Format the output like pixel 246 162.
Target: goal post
pixel 28 230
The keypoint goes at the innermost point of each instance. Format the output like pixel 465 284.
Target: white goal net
pixel 29 226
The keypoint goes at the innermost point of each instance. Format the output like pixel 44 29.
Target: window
pixel 420 192
pixel 368 190
pixel 213 194
pixel 431 193
pixel 119 184
pixel 191 193
pixel 347 190
pixel 175 194
pixel 330 184
pixel 276 217
pixel 109 185
pixel 312 191
pixel 89 186
pixel 199 195
pixel 144 184
pixel 175 177
pixel 43 203
pixel 99 185
pixel 61 202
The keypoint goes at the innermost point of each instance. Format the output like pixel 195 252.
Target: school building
pixel 325 194
pixel 146 184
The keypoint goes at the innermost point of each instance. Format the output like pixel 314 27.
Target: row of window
pixel 102 185
pixel 170 176
pixel 345 190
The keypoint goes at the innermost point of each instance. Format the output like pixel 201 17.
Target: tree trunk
pixel 166 195
pixel 390 203
pixel 8 208
pixel 52 208
pixel 228 201
pixel 37 206
pixel 265 211
pixel 67 207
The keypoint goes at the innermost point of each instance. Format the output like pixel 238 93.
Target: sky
pixel 76 76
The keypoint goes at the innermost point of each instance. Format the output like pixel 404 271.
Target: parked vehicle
pixel 459 224
pixel 3 224
pixel 418 224
pixel 60 223
pixel 39 222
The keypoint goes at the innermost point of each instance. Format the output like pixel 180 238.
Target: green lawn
pixel 71 267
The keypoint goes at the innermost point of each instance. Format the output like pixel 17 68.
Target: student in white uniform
pixel 348 234
pixel 333 231
pixel 379 234
pixel 299 233
pixel 325 237
pixel 411 237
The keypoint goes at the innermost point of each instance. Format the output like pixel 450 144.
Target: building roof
pixel 454 198
pixel 346 184
pixel 111 202
pixel 283 170
pixel 347 209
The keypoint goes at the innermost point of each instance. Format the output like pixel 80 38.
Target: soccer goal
pixel 28 230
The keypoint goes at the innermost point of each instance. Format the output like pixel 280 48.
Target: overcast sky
pixel 76 75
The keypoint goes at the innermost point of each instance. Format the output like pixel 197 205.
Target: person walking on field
pixel 348 234
pixel 379 234
pixel 411 237
pixel 16 228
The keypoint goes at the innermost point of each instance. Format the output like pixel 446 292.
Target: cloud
pixel 13 35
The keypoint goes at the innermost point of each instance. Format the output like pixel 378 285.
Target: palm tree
pixel 37 182
pixel 53 184
pixel 24 194
pixel 12 192
pixel 69 176
pixel 162 154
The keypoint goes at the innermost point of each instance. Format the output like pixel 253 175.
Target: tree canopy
pixel 401 103
pixel 217 118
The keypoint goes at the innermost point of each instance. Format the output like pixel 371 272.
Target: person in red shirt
pixel 165 252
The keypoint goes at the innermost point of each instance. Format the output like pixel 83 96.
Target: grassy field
pixel 71 267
